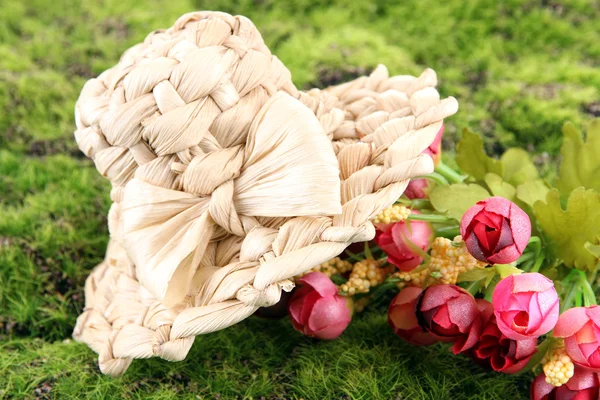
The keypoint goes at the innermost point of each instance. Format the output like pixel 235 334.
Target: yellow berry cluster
pixel 332 267
pixel 449 258
pixel 558 367
pixel 365 275
pixel 395 213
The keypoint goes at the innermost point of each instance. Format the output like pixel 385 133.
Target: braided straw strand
pixel 229 183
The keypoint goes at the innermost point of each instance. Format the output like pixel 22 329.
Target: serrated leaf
pixel 530 192
pixel 568 231
pixel 518 167
pixel 498 187
pixel 454 200
pixel 505 270
pixel 593 248
pixel 580 165
pixel 471 157
pixel 476 274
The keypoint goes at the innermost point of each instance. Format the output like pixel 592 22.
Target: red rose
pixel 583 385
pixel 495 350
pixel 399 240
pixel 402 318
pixel 495 230
pixel 580 327
pixel 317 310
pixel 450 313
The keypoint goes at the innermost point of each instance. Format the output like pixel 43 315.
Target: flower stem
pixel 429 218
pixel 437 178
pixel 589 298
pixel 451 175
pixel 571 293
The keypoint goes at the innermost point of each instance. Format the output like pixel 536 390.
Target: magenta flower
pixel 399 241
pixel 402 318
pixel 525 305
pixel 496 351
pixel 317 310
pixel 580 327
pixel 495 230
pixel 583 385
pixel 451 314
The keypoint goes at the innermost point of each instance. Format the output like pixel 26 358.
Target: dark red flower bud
pixel 450 313
pixel 584 385
pixel 495 230
pixel 496 351
pixel 402 318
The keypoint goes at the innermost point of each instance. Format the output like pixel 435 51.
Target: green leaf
pixel 454 200
pixel 476 274
pixel 518 167
pixel 580 165
pixel 530 192
pixel 498 187
pixel 593 248
pixel 568 231
pixel 505 270
pixel 471 157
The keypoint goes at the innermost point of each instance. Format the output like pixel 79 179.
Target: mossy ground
pixel 519 69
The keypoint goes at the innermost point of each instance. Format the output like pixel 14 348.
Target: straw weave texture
pixel 228 181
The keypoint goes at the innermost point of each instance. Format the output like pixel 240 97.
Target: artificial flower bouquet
pixel 492 257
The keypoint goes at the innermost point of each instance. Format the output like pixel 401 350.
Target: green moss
pixel 519 68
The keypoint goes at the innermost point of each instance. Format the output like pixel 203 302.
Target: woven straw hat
pixel 228 181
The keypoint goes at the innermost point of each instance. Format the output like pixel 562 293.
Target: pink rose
pixel 580 327
pixel 451 314
pixel 525 305
pixel 495 230
pixel 402 318
pixel 417 189
pixel 435 148
pixel 583 385
pixel 496 351
pixel 398 241
pixel 317 310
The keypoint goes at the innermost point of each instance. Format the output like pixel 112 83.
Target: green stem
pixel 437 178
pixel 589 298
pixel 429 218
pixel 572 292
pixel 418 204
pixel 448 173
pixel 538 263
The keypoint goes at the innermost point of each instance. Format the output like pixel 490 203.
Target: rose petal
pixel 540 388
pixel 506 238
pixel 463 311
pixel 498 205
pixel 574 351
pixel 593 312
pixel 320 283
pixel 503 293
pixel 402 317
pixel 531 282
pixel 582 379
pixel 505 255
pixel 570 322
pixel 328 311
pixel 468 216
pixel 474 248
pixel 331 331
pixel 520 226
pixel 437 295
